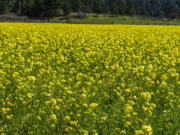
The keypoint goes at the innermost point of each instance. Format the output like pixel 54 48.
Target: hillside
pixel 79 18
pixel 110 19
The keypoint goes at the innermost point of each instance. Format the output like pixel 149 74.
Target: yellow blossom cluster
pixel 69 79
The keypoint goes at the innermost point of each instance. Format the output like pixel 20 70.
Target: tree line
pixel 51 8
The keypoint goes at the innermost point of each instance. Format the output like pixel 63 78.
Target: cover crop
pixel 58 79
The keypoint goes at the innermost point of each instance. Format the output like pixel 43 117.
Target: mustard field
pixel 70 79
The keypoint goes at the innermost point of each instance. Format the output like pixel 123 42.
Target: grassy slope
pixel 108 19
pixel 95 19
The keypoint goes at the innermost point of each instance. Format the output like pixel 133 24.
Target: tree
pixel 66 8
pixel 141 7
pixel 105 7
pixel 50 8
pixel 35 8
pixel 174 15
pixel 122 7
pixel 169 7
pixel 114 7
pixel 130 8
pixel 76 5
pixel 18 7
pixel 98 8
pixel 3 6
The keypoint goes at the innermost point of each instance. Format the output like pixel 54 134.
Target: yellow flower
pixel 9 117
pixel 53 101
pixel 139 132
pixel 53 117
pixel 3 110
pixel 69 92
pixel 52 125
pixel 123 132
pixel 74 123
pixel 32 79
pixel 67 118
pixel 147 129
pixel 127 124
pixel 128 108
pixel 57 107
pixel 39 117
pixel 30 95
pixel 47 102
pixel 84 95
pixel 85 105
pixel 68 129
pixel 104 118
pixel 146 96
pixel 93 105
pixel 127 91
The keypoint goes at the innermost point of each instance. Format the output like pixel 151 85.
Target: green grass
pixel 109 19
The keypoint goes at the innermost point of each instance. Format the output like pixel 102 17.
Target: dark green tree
pixel 130 8
pixel 169 7
pixel 66 7
pixel 50 8
pixel 114 7
pixel 3 6
pixel 77 5
pixel 35 8
pixel 98 7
